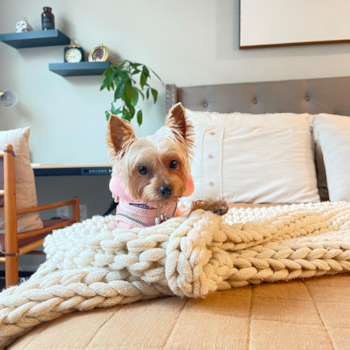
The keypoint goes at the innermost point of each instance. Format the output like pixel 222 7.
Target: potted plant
pixel 129 81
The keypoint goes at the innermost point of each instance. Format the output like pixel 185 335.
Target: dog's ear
pixel 120 136
pixel 180 125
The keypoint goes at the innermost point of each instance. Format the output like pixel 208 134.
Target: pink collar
pixel 143 217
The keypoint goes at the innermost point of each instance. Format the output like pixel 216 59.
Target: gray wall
pixel 185 42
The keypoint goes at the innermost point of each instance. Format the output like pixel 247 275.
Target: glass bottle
pixel 47 19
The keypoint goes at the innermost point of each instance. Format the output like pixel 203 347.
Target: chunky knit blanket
pixel 95 264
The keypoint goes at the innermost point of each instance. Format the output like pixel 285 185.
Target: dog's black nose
pixel 165 191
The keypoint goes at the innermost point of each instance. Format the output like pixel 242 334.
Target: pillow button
pixel 212 133
pixel 307 98
pixel 211 156
pixel 211 184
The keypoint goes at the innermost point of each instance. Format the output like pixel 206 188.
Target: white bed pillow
pixel 25 185
pixel 253 158
pixel 332 132
pixel 320 168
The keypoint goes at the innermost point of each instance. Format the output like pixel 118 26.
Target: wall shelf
pixel 52 37
pixel 78 69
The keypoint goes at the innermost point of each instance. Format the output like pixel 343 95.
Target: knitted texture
pixel 95 264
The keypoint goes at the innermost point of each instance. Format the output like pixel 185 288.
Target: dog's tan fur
pixel 174 141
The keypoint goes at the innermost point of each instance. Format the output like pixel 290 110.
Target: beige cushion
pixel 266 158
pixel 25 185
pixel 332 133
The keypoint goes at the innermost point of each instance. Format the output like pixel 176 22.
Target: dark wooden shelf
pixel 52 37
pixel 78 69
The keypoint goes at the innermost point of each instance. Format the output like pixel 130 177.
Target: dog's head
pixel 155 169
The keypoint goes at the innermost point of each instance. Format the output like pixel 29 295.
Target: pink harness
pixel 131 213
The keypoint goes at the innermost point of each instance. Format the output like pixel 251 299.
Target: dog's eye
pixel 173 164
pixel 143 170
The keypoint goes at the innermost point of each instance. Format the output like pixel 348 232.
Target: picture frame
pixel 270 23
pixel 99 54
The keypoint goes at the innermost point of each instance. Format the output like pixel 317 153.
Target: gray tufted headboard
pixel 327 95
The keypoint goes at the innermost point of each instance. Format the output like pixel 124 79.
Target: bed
pixel 300 314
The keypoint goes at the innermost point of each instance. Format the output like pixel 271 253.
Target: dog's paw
pixel 221 208
pixel 218 207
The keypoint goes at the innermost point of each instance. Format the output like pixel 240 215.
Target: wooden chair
pixel 17 244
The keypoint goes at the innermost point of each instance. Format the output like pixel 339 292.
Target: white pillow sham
pixel 253 158
pixel 332 132
pixel 25 184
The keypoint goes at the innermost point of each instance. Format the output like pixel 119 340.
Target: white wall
pixel 186 42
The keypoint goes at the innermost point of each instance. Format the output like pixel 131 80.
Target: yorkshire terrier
pixel 151 174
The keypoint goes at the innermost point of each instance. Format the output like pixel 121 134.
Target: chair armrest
pixel 73 202
pixel 76 217
pixel 30 234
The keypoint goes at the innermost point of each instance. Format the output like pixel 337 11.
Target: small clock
pixel 73 54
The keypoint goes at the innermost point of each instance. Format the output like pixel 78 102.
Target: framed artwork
pixel 293 22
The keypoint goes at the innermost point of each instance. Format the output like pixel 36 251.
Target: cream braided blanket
pixel 95 264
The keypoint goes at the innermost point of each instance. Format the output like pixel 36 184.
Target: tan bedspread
pixel 310 314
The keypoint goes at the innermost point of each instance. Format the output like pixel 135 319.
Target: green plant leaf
pixel 108 114
pixel 143 80
pixel 121 64
pixel 139 117
pixel 134 64
pixel 125 114
pixel 126 97
pixel 103 86
pixel 108 70
pixel 154 94
pixel 110 77
pixel 145 71
pixel 131 111
pixel 157 76
pixel 134 96
pixel 124 75
pixel 136 71
pixel 147 94
pixel 117 111
pixel 141 93
pixel 119 90
pixel 113 110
